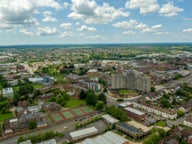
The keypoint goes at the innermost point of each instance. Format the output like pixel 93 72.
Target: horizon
pixel 32 22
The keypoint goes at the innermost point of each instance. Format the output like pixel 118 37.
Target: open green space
pixel 124 92
pixel 87 109
pixel 5 116
pixel 75 103
pixel 161 124
pixel 77 112
pixel 38 86
pixel 57 117
pixel 67 114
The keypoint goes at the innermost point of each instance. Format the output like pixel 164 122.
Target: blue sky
pixel 94 21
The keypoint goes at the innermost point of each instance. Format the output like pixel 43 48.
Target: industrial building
pixel 111 121
pixel 84 133
pixel 131 79
pixel 132 131
pixel 125 104
pixel 107 138
pixel 135 114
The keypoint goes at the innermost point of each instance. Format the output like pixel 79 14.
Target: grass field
pixel 5 116
pixel 161 124
pixel 124 92
pixel 75 103
pixel 38 86
pixel 57 117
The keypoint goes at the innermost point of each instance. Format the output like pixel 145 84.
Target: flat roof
pixel 139 125
pixel 135 111
pixel 13 120
pixel 110 118
pixel 26 142
pixel 83 132
pixel 125 104
pixel 131 128
pixel 107 138
pixel 8 90
pixel 51 141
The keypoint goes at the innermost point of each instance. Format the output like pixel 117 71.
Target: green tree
pixel 180 113
pixel 102 97
pixel 91 98
pixel 100 105
pixel 36 93
pixel 32 124
pixel 117 113
pixel 153 89
pixel 102 81
pixel 164 102
pixel 82 95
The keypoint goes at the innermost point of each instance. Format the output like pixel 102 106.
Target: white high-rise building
pixel 131 79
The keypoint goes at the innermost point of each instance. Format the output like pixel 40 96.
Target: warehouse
pixel 109 120
pixel 132 131
pixel 107 138
pixel 125 104
pixel 135 114
pixel 84 133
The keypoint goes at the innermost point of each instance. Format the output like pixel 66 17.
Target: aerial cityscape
pixel 95 72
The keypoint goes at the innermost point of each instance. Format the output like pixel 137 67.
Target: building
pixel 125 104
pixel 109 120
pixel 51 107
pixel 107 138
pixel 8 92
pixel 84 133
pixel 94 86
pixel 26 142
pixel 133 131
pixel 48 79
pixel 131 79
pixel 135 114
pixel 165 113
pixel 188 122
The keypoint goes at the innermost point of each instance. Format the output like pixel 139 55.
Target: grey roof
pixel 83 132
pixel 26 142
pixel 51 141
pixel 107 138
pixel 135 111
pixel 131 129
pixel 110 119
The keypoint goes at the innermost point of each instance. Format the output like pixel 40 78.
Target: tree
pixel 102 81
pixel 100 105
pixel 153 89
pixel 180 113
pixel 91 98
pixel 82 95
pixel 164 102
pixel 102 97
pixel 32 124
pixel 36 93
pixel 117 113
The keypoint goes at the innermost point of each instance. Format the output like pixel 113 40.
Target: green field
pixel 75 103
pixel 57 117
pixel 5 116
pixel 124 92
pixel 38 86
pixel 67 114
pixel 87 109
pixel 77 112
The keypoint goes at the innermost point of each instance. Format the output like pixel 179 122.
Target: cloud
pixel 66 25
pixel 154 28
pixel 25 32
pixel 162 33
pixel 145 7
pixel 86 28
pixel 49 19
pixel 128 32
pixel 95 37
pixel 92 13
pixel 169 10
pixel 47 31
pixel 140 26
pixel 67 34
pixel 126 24
pixel 21 12
pixel 65 4
pixel 189 30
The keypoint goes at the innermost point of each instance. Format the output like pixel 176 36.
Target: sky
pixel 94 21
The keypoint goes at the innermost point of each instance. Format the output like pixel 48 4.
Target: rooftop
pixel 110 118
pixel 83 132
pixel 134 111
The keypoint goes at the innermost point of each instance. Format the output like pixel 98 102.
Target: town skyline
pixel 91 21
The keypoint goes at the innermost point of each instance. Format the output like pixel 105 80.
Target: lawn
pixel 75 103
pixel 5 116
pixel 38 86
pixel 161 124
pixel 124 91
